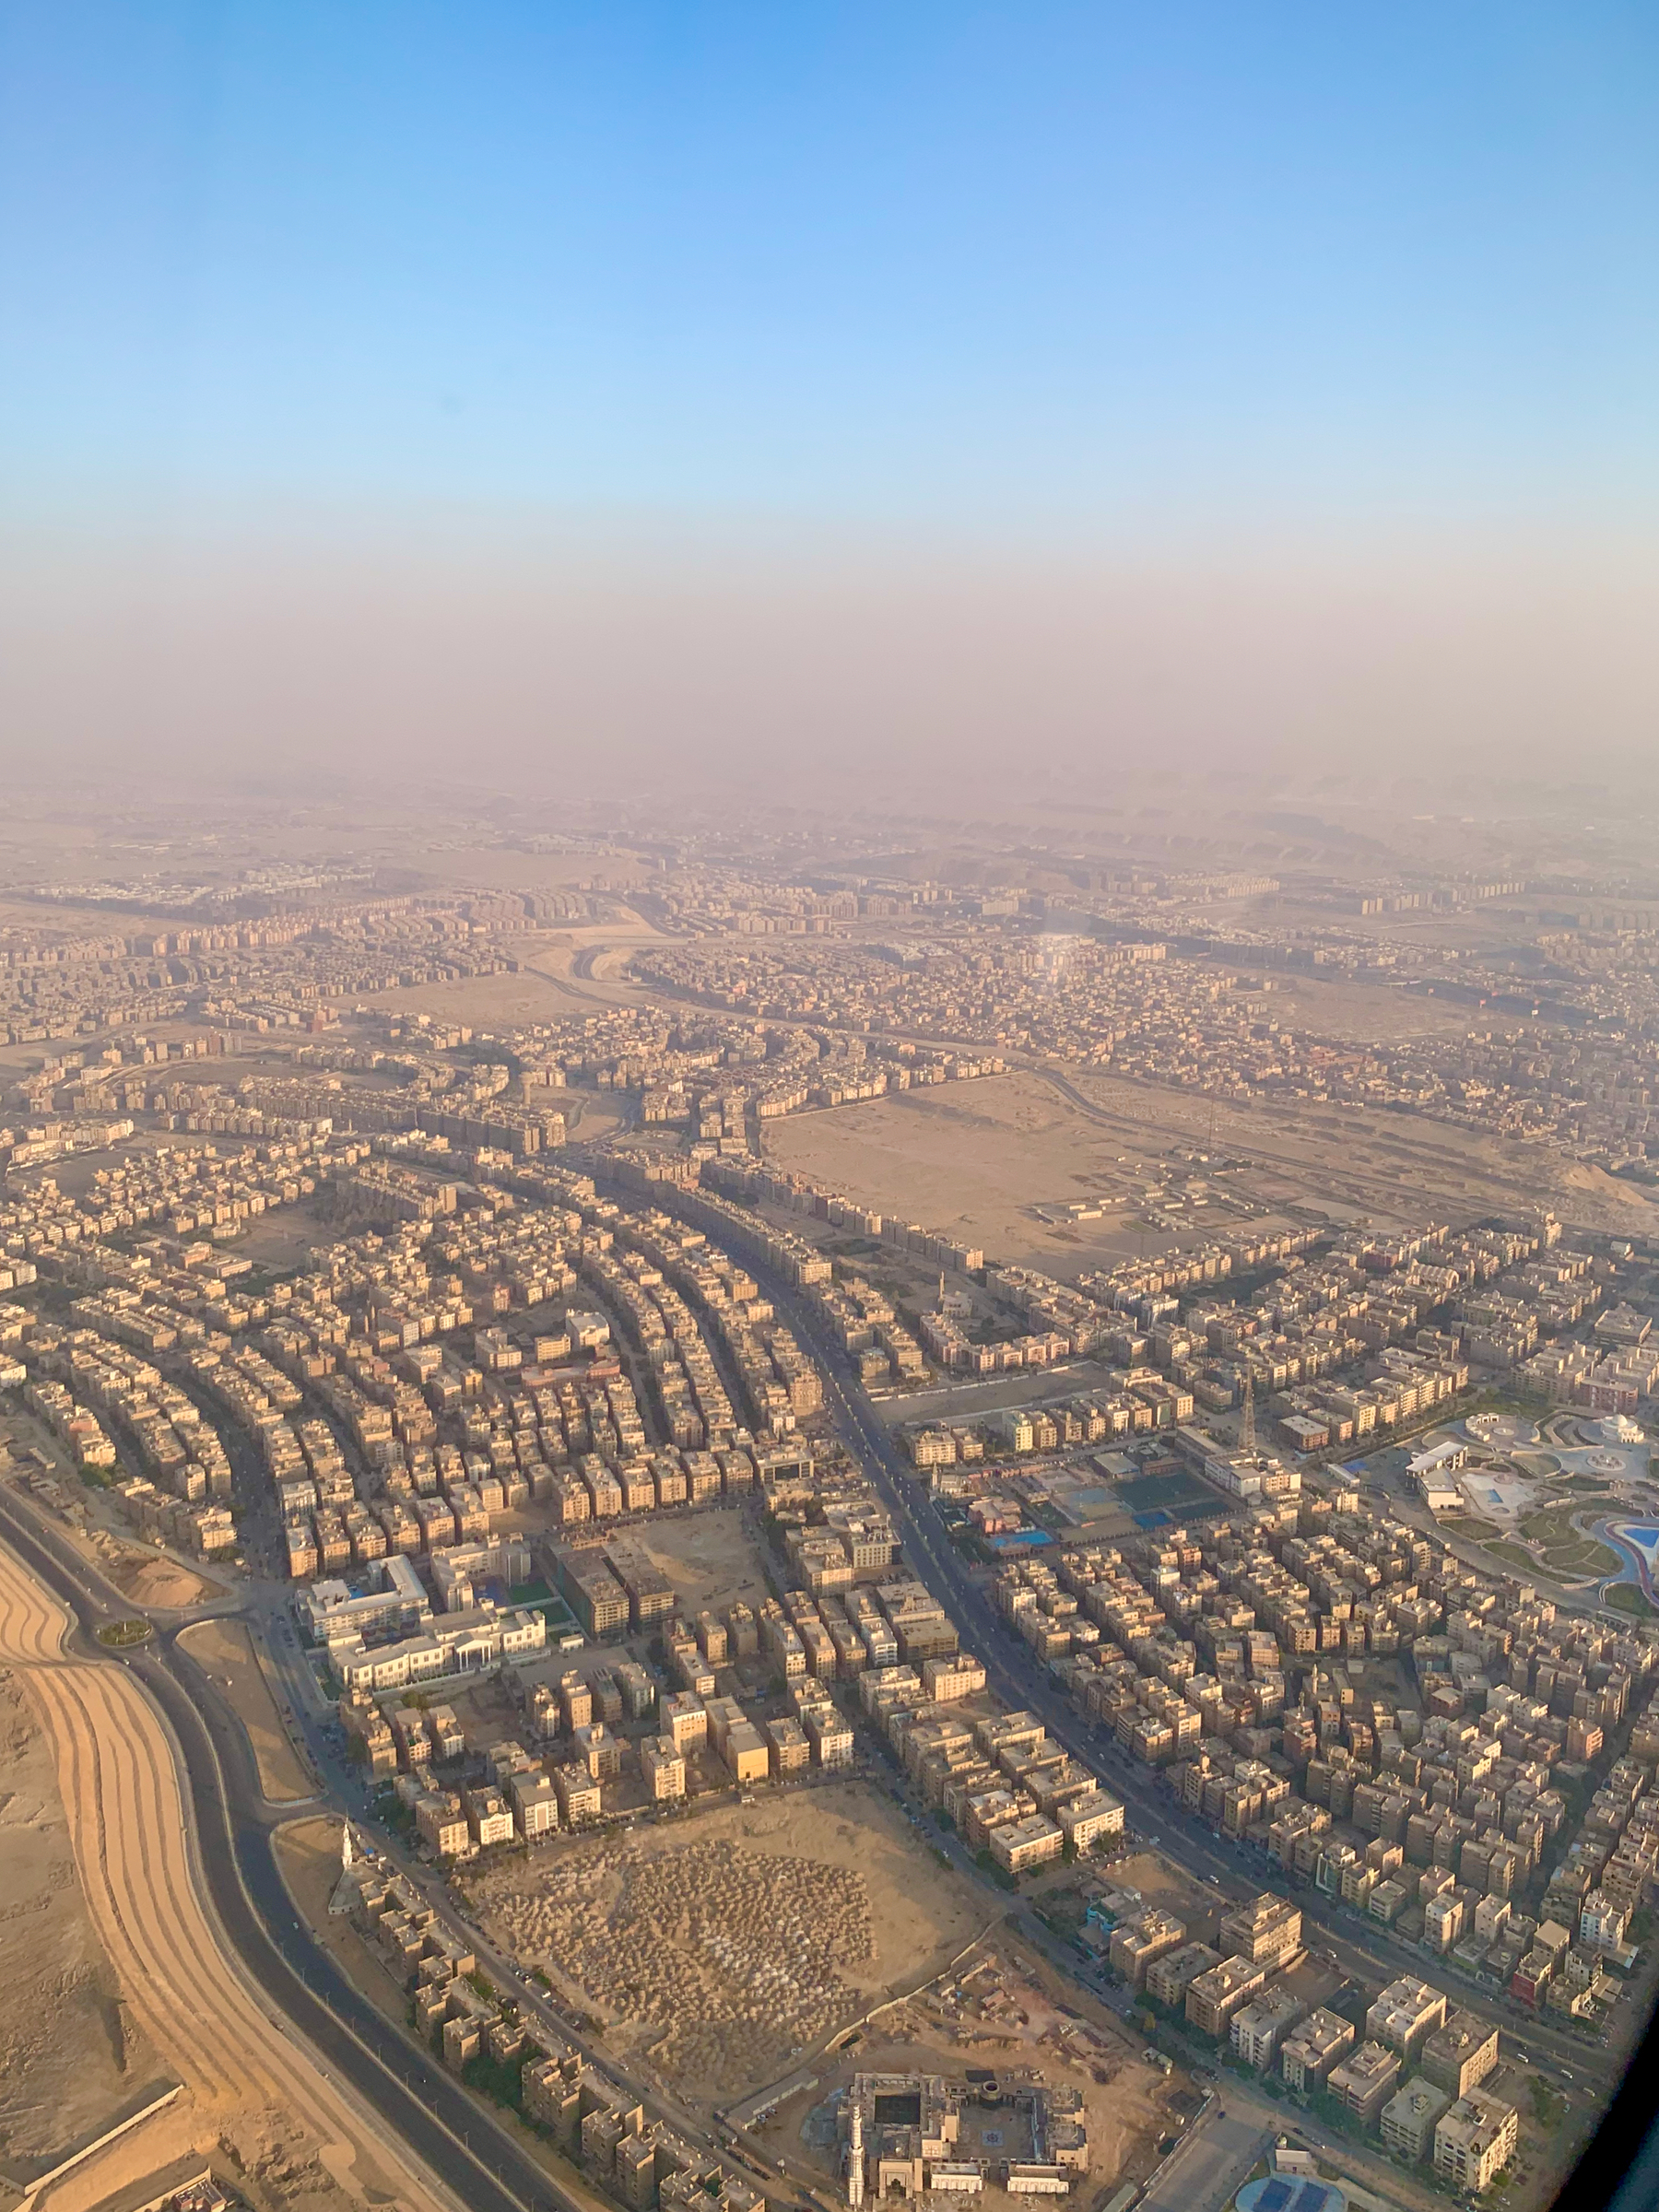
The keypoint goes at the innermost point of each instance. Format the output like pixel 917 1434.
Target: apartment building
pixel 1409 2119
pixel 440 1822
pixel 1460 2054
pixel 1365 2082
pixel 579 1796
pixel 1267 1931
pixel 685 1720
pixel 1259 2028
pixel 487 1817
pixel 1476 2140
pixel 1405 2015
pixel 1018 1845
pixel 1088 1820
pixel 662 1763
pixel 1219 1991
pixel 1169 1979
pixel 534 1805
pixel 1137 1944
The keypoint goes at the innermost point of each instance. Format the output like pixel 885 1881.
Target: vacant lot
pixel 709 1555
pixel 148 1578
pixel 1171 1891
pixel 224 1650
pixel 969 1159
pixel 71 2059
pixel 725 1943
pixel 308 1856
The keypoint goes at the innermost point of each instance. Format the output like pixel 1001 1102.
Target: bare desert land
pixel 969 1161
pixel 723 1946
pixel 72 2057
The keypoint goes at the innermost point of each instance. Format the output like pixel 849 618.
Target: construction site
pixel 990 2081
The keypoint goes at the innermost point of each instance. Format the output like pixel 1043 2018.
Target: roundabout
pixel 123 1635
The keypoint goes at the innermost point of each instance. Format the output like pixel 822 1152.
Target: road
pixel 257 1912
pixel 127 1823
pixel 1018 1679
pixel 1203 2171
pixel 133 1787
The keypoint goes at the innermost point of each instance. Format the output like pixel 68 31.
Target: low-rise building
pixel 1219 1991
pixel 1459 2056
pixel 662 1763
pixel 1259 2028
pixel 1312 2050
pixel 1169 1979
pixel 1405 2015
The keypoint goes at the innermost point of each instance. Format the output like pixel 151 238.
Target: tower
pixel 855 2156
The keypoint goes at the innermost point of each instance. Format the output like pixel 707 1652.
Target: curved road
pixel 1019 1681
pixel 121 1781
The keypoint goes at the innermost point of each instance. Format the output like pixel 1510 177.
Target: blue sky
pixel 912 263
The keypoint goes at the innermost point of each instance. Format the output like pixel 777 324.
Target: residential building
pixel 1365 2081
pixel 1405 2015
pixel 1409 2118
pixel 1460 2054
pixel 1475 2139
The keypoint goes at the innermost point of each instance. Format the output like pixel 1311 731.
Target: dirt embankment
pixel 72 2059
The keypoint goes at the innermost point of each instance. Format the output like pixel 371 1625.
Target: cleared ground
pixel 148 1578
pixel 971 1161
pixel 723 1946
pixel 295 2144
pixel 709 1557
pixel 224 1650
pixel 71 2054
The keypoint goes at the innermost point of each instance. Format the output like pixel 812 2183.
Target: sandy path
pixel 126 1822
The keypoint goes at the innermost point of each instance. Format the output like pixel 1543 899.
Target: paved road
pixel 120 1793
pixel 1203 2171
pixel 125 1777
pixel 1018 1679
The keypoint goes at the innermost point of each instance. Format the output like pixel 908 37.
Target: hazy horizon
pixel 970 395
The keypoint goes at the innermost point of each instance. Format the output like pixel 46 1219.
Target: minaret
pixel 1247 1443
pixel 856 2159
pixel 345 1847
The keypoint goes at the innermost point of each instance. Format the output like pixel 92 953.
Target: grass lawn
pixel 1512 1556
pixel 1554 1526
pixel 1626 1598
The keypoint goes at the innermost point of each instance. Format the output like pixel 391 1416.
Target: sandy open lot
pixel 150 1577
pixel 709 1557
pixel 225 1650
pixel 72 2057
pixel 971 1162
pixel 968 1160
pixel 722 1945
pixel 1006 2010
pixel 1171 1891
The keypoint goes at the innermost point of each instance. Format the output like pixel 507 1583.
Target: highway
pixel 122 1781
